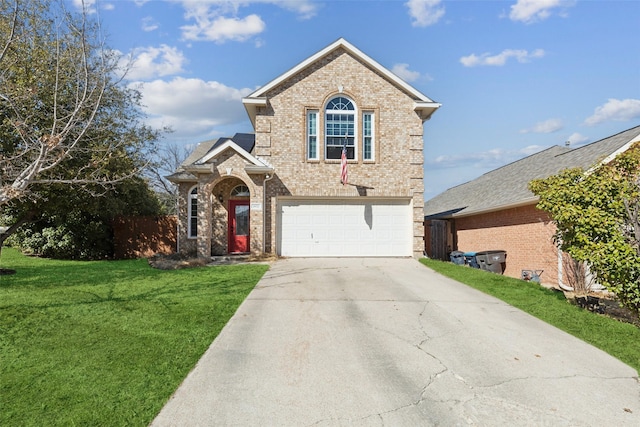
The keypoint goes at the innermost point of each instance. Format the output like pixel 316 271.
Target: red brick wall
pixel 525 233
pixel 141 237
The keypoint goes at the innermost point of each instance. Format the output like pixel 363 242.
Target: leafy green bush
pixel 597 215
pixel 82 240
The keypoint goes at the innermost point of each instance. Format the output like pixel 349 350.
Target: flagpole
pixel 343 163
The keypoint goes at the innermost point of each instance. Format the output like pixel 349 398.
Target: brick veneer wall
pixel 281 133
pixel 525 233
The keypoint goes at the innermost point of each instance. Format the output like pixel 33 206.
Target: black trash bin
pixel 493 261
pixel 457 257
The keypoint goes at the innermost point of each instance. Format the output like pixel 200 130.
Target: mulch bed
pixel 605 306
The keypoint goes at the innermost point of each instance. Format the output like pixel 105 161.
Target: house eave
pixel 424 105
pixel 253 169
pixel 252 105
pixel 524 202
pixel 426 109
pixel 200 168
pixel 178 178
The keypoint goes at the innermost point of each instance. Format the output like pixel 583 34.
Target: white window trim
pixel 311 113
pixel 372 114
pixel 190 197
pixel 355 128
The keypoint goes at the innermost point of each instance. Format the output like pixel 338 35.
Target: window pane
pixel 193 215
pixel 312 134
pixel 340 128
pixel 313 148
pixel 367 137
pixel 340 103
pixel 335 152
pixel 242 220
pixel 194 227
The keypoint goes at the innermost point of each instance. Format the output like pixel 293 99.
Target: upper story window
pixel 368 146
pixel 340 128
pixel 192 207
pixel 312 135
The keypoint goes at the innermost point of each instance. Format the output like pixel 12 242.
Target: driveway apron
pixel 389 342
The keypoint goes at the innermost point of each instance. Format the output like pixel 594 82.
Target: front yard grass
pixel 106 342
pixel 619 339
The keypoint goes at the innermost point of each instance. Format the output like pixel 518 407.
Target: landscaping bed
pixel 604 304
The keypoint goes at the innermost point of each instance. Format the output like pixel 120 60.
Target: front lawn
pixel 621 340
pixel 106 342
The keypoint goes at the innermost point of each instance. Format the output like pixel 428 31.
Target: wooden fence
pixel 144 236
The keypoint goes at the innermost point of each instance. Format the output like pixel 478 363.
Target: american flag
pixel 343 165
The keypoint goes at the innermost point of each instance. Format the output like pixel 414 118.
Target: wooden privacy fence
pixel 436 241
pixel 144 236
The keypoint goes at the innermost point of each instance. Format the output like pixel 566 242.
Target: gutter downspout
pixel 267 177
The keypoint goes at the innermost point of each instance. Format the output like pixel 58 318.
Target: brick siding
pixel 525 233
pixel 280 135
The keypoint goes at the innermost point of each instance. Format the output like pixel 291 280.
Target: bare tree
pixel 65 116
pixel 166 161
pixel 578 276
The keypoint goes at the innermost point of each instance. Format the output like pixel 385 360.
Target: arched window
pixel 340 128
pixel 192 207
pixel 240 191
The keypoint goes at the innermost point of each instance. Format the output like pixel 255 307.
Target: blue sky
pixel 514 77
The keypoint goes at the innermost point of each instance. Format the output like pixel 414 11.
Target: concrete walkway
pixel 388 342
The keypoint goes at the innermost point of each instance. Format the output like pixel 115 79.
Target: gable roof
pixel 507 186
pixel 241 143
pixel 423 103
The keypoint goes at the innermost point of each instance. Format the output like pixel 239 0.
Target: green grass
pixel 106 342
pixel 619 339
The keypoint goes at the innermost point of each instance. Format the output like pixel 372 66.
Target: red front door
pixel 238 226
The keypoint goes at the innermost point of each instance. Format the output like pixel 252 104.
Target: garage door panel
pixel 345 228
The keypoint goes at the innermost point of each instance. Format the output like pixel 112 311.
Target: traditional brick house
pixel 498 212
pixel 278 190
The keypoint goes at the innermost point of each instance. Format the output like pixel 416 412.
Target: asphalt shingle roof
pixel 508 185
pixel 246 141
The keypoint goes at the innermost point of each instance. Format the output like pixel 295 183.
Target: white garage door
pixel 323 228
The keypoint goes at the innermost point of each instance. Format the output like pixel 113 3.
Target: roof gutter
pixel 525 202
pixel 252 105
pixel 250 169
pixel 426 109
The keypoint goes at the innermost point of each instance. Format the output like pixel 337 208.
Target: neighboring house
pixel 498 212
pixel 278 190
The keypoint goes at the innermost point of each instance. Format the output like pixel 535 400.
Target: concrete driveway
pixel 388 342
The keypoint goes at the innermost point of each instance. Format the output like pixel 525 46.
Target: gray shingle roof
pixel 508 185
pixel 246 141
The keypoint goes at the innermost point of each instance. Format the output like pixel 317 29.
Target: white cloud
pixel 222 29
pixel 305 9
pixel 219 20
pixel 547 126
pixel 530 11
pixel 500 59
pixel 425 12
pixel 484 160
pixel 152 62
pixel 403 71
pixel 149 24
pixel 89 6
pixel 192 107
pixel 576 139
pixel 615 110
